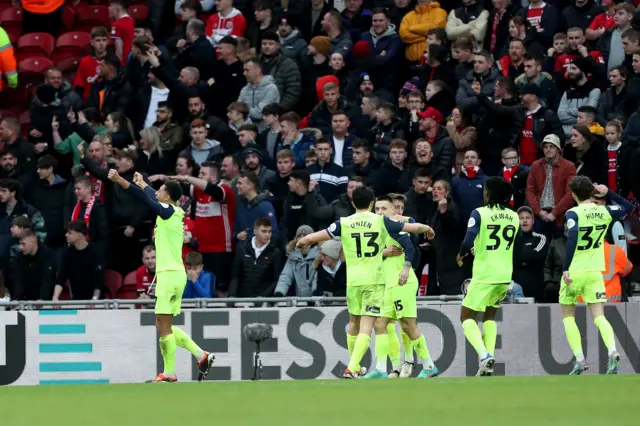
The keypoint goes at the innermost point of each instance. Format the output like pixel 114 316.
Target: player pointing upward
pixel 491 232
pixel 587 225
pixel 171 277
pixel 363 235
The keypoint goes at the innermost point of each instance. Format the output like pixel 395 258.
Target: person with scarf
pixel 91 210
pixel 516 174
pixel 468 187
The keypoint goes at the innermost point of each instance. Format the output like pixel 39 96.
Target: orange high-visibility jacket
pixel 617 266
pixel 42 7
pixel 8 65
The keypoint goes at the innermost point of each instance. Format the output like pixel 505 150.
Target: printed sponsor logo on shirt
pixel 373 309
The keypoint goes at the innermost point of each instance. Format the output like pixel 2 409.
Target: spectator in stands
pixel 340 207
pixel 356 19
pixel 265 23
pixel 310 159
pixel 427 15
pixel 463 50
pixel 41 112
pixel 512 64
pixel 587 117
pixel 228 76
pixel 613 133
pixel 322 115
pixel 33 272
pixel 96 151
pixel 369 110
pixel 251 207
pixel 91 209
pixel 187 10
pixel 230 170
pixel 386 46
pixel 589 156
pixel 113 95
pixel 65 95
pixel 238 115
pixel 196 51
pixel 331 271
pixel 48 195
pixel 553 266
pixel 257 264
pixel 253 163
pixel 70 144
pixel 497 38
pixel 285 71
pixel 462 134
pixel 388 127
pixel 9 167
pixel 298 268
pixel 422 158
pixel 296 211
pixel 201 148
pixel 614 101
pixel 364 163
pixel 471 19
pixel 271 137
pixel 548 192
pixel 516 174
pixel 533 75
pixel 394 170
pixel 298 142
pixel 544 18
pixel 260 91
pixel 144 105
pixel 310 23
pixel 419 204
pixel 484 76
pixel 330 177
pixel 590 62
pixel 122 29
pixel 171 132
pixel 437 67
pixel 200 283
pixel 216 128
pixel 610 42
pixel 18 225
pixel 468 187
pixel 580 14
pixel 341 140
pixel 278 185
pixel 146 274
pixel 584 92
pixel 442 147
pixel 528 264
pixel 341 40
pixel 603 21
pixel 228 21
pixel 82 266
pixel 292 44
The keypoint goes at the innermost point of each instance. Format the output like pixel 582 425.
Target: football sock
pixel 382 350
pixel 489 335
pixel 573 337
pixel 606 332
pixel 184 341
pixel 351 342
pixel 420 345
pixel 168 350
pixel 408 347
pixel 359 349
pixel 394 346
pixel 472 332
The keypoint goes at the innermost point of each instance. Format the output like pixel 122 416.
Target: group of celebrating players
pixel 382 289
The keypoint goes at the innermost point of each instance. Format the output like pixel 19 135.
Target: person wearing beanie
pixel 583 92
pixel 589 156
pixel 322 45
pixel 298 268
pixel 291 42
pixel 253 162
pixel 285 71
pixel 361 50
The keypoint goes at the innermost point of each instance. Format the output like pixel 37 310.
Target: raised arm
pixel 143 192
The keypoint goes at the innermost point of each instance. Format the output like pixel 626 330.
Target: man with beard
pixel 172 134
pixel 10 134
pixel 216 128
pixel 253 164
pixel 582 92
pixel 533 75
pixel 285 71
pixel 594 63
pixel 296 210
pixel 230 170
pixel 341 41
pixel 292 45
pixel 512 64
pixel 444 151
pixel 9 168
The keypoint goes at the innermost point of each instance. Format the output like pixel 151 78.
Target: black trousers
pixel 219 264
pixel 37 23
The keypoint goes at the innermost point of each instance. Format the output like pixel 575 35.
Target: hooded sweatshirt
pixel 299 270
pixel 234 24
pixel 259 95
pixel 208 150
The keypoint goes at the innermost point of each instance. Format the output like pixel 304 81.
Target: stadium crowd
pixel 272 113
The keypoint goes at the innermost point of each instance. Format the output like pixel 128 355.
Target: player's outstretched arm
pixel 625 207
pixel 144 193
pixel 208 188
pixel 419 228
pixel 315 238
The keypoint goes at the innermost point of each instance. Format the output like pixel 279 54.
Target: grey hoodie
pixel 210 149
pixel 258 96
pixel 299 269
pixel 375 37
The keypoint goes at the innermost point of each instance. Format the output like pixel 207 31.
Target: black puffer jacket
pixel 251 277
pixel 286 73
pixel 49 199
pixel 321 116
pixel 383 136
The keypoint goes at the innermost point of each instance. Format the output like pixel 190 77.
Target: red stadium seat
pixel 130 279
pixel 138 12
pixel 88 16
pixel 72 44
pixel 112 283
pixel 68 18
pixel 66 294
pixel 34 45
pixel 31 71
pixel 11 21
pixel 25 123
pixel 69 66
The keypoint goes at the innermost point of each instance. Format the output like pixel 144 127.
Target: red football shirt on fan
pixel 612 172
pixel 188 228
pixel 87 73
pixel 215 221
pixel 528 147
pixel 534 16
pixel 144 279
pixel 563 61
pixel 124 29
pixel 602 21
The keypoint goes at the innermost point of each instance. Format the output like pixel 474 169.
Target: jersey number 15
pixel 508 234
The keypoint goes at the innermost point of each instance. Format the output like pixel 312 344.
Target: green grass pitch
pixel 539 401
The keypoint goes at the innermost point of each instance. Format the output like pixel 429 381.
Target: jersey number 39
pixel 372 247
pixel 508 234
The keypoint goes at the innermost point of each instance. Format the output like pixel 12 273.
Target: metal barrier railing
pixel 216 303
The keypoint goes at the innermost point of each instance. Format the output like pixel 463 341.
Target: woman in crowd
pixel 462 134
pixel 589 157
pixel 152 158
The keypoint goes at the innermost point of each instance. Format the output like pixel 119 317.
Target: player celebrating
pixel 363 234
pixel 171 277
pixel 399 305
pixel 587 225
pixel 491 233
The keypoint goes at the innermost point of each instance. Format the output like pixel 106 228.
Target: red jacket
pixel 563 172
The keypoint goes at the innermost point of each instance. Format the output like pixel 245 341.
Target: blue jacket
pixel 332 179
pixel 468 193
pixel 299 148
pixel 384 68
pixel 204 287
pixel 248 212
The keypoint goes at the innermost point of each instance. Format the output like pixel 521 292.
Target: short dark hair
pixel 382 10
pixel 228 40
pixel 499 192
pixel 389 108
pixel 362 197
pixel 399 197
pixel 174 189
pixel 194 259
pixel 262 221
pixel 291 117
pixel 85 180
pixel 249 127
pixel 273 109
pixel 386 197
pixel 301 175
pixel 241 107
pixel 28 233
pixel 621 69
pixel 193 5
pixel 588 109
pixel 78 226
pixel 47 162
pixel 251 177
pixel 7 151
pixel 212 165
pixel 422 172
pixel 507 84
pixel 323 140
pixel 359 143
pixel 11 185
pixel 22 222
pixel 582 187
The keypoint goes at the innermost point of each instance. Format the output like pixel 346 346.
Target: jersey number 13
pixel 372 248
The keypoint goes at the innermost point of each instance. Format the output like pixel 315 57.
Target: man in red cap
pixel 444 151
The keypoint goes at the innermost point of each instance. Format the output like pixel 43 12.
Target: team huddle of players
pixel 382 287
